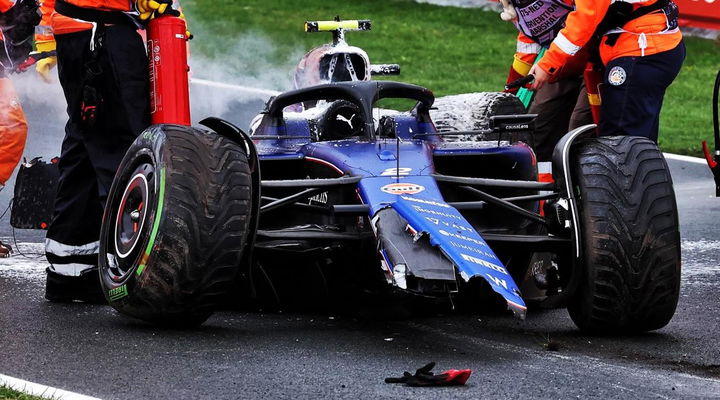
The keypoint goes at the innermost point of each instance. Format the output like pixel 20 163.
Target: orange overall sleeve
pixel 525 54
pixel 44 31
pixel 13 130
pixel 6 5
pixel 579 29
pixel 103 5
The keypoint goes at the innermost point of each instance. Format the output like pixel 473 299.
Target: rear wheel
pixel 175 225
pixel 472 111
pixel 630 234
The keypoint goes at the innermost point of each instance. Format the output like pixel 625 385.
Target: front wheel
pixel 175 225
pixel 630 237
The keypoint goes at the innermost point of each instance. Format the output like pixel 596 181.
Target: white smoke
pixel 45 108
pixel 249 60
pixel 32 89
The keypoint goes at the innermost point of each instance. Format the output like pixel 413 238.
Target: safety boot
pixel 65 289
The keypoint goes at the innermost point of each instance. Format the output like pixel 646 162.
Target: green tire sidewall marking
pixel 117 293
pixel 156 224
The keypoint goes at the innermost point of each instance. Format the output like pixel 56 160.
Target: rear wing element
pixel 334 26
pixel 338 29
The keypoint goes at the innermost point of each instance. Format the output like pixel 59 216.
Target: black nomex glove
pixel 18 25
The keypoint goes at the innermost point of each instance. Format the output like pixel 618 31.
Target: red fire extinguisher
pixel 593 78
pixel 168 69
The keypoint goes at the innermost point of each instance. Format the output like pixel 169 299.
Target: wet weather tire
pixel 175 225
pixel 630 237
pixel 472 111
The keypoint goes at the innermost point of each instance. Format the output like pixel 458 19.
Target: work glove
pixel 150 9
pixel 44 65
pixel 425 377
pixel 508 13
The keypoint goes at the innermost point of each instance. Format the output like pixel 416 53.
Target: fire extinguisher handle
pixel 520 82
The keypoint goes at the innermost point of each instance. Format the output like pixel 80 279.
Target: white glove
pixel 508 13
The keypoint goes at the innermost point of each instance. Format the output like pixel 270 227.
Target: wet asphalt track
pixel 94 351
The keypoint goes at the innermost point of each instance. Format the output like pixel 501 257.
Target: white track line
pixel 37 389
pixel 244 89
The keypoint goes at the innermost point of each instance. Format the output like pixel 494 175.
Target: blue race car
pixel 383 196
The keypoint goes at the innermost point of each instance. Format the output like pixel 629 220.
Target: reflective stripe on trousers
pixel 65 250
pixel 71 260
pixel 73 269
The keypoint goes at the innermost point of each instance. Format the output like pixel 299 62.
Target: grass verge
pixel 9 394
pixel 449 50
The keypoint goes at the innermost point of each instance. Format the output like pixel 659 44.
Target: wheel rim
pixel 130 219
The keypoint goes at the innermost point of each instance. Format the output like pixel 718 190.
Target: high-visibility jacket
pixel 103 5
pixel 526 53
pixel 54 23
pixel 645 35
pixel 99 11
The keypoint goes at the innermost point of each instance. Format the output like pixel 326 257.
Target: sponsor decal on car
pixel 321 198
pixel 487 254
pixel 402 171
pixel 403 188
pixel 423 201
pixel 433 212
pixel 463 237
pixel 486 264
pixel 517 127
pixel 437 221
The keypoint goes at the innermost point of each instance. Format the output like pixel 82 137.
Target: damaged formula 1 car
pixel 384 197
